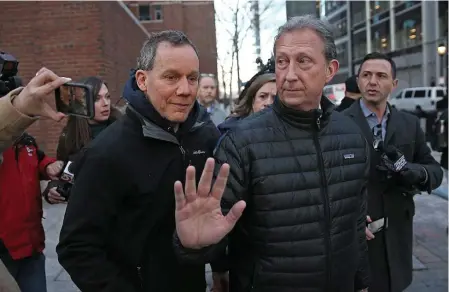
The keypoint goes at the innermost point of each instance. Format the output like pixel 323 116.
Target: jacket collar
pixel 313 119
pixel 164 131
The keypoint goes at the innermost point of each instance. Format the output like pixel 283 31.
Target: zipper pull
pixel 318 122
pixel 182 151
pixel 139 274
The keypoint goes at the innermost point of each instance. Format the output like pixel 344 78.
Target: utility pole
pixel 256 26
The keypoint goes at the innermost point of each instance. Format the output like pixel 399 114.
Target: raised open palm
pixel 199 221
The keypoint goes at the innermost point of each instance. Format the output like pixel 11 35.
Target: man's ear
pixel 395 83
pixel 141 79
pixel 331 70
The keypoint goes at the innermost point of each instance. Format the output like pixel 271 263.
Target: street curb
pixel 442 192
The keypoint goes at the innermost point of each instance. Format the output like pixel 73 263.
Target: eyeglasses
pixel 378 142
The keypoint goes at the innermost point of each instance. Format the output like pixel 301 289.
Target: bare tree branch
pixel 266 8
pixel 242 39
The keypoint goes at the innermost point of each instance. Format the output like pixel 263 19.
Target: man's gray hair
pixel 148 52
pixel 321 27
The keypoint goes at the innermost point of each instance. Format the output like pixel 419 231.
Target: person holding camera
pixel 19 109
pixel 79 132
pixel 401 166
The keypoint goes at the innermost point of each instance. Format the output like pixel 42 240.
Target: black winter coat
pixel 390 252
pixel 118 227
pixel 303 178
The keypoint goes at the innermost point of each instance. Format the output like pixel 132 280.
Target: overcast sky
pixel 270 21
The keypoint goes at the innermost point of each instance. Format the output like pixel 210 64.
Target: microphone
pixel 68 178
pixel 394 159
pixel 67 175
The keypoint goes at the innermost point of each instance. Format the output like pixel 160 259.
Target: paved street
pixel 430 246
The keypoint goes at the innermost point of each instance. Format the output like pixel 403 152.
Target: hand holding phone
pixel 33 99
pixel 75 99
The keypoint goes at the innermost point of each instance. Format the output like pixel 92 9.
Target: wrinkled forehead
pixel 304 40
pixel 180 59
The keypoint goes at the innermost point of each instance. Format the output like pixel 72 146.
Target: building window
pixel 342 54
pixel 379 7
pixel 358 10
pixel 403 5
pixel 144 12
pixel 408 29
pixel 443 17
pixel 359 44
pixel 341 28
pixel 380 37
pixel 331 6
pixel 158 12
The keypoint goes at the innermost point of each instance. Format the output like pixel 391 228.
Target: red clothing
pixel 21 212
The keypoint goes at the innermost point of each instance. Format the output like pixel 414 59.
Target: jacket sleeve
pixel 423 156
pixel 226 152
pixel 7 282
pixel 220 264
pixel 93 204
pixel 44 161
pixel 363 273
pixel 12 122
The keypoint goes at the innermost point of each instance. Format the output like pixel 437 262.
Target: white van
pixel 335 92
pixel 410 98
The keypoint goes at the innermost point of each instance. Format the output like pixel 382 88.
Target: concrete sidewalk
pixel 57 279
pixel 430 247
pixel 442 191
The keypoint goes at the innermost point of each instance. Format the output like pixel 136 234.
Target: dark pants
pixel 28 272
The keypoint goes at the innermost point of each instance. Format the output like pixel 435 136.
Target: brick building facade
pixel 77 39
pixel 195 18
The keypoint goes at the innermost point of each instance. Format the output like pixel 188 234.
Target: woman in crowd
pixel 258 94
pixel 80 131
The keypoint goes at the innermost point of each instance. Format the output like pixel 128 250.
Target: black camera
pixel 68 178
pixel 8 73
pixel 265 68
pixel 64 190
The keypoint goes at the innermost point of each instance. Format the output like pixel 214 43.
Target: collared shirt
pixel 372 119
pixel 217 115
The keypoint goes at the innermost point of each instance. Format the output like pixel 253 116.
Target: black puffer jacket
pixel 303 177
pixel 119 223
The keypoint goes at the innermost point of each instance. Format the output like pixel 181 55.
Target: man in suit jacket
pixel 390 193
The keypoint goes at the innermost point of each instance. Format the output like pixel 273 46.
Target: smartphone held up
pixel 75 99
